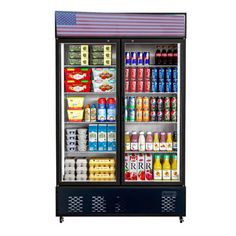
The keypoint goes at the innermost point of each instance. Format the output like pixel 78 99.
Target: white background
pixel 27 78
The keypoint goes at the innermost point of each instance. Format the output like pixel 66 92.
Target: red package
pixel 82 85
pixel 77 73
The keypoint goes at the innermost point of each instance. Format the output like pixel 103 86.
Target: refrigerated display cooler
pixel 120 114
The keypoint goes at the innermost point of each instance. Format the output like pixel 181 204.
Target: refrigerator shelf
pixel 152 152
pixel 89 66
pixel 89 93
pixel 150 93
pixel 150 122
pixel 149 66
pixel 89 153
pixel 84 123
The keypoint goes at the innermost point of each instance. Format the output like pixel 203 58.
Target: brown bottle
pixel 175 56
pixel 170 55
pixel 158 60
pixel 164 56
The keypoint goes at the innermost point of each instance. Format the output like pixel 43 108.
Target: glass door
pixel 151 79
pixel 89 112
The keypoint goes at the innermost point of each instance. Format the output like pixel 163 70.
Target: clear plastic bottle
pixel 141 142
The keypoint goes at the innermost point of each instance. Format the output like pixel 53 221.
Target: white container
pixel 71 131
pixel 69 177
pixel 71 137
pixel 81 170
pixel 71 148
pixel 69 163
pixel 71 143
pixel 81 177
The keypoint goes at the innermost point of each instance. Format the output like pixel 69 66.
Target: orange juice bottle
pixel 166 167
pixel 157 168
pixel 156 144
pixel 169 142
pixel 174 168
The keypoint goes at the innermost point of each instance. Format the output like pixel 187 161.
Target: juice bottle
pixel 127 141
pixel 134 142
pixel 169 142
pixel 157 168
pixel 174 145
pixel 166 167
pixel 174 169
pixel 141 142
pixel 87 113
pixel 163 141
pixel 156 144
pixel 149 141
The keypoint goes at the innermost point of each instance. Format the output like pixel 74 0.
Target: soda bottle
pixel 166 167
pixel 174 145
pixel 157 168
pixel 174 168
pixel 170 55
pixel 164 56
pixel 141 142
pixel 169 142
pixel 156 144
pixel 158 60
pixel 127 141
pixel 175 56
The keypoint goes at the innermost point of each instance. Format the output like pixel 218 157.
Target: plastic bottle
pixel 156 144
pixel 93 113
pixel 134 142
pixel 174 168
pixel 111 109
pixel 149 141
pixel 141 142
pixel 163 141
pixel 127 141
pixel 169 142
pixel 102 112
pixel 157 168
pixel 87 113
pixel 174 145
pixel 166 167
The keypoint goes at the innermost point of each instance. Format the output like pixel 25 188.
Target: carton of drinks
pixel 133 165
pixel 148 167
pixel 102 137
pixel 92 133
pixel 141 169
pixel 127 167
pixel 111 137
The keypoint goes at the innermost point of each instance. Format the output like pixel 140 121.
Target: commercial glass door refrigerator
pixel 120 114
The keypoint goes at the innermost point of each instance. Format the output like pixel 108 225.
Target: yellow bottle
pixel 157 167
pixel 156 144
pixel 169 142
pixel 166 167
pixel 127 141
pixel 174 168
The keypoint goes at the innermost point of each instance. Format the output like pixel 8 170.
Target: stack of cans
pixel 82 139
pixel 81 169
pixel 71 140
pixel 69 171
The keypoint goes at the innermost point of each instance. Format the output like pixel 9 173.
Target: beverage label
pixel 134 146
pixel 166 174
pixel 148 167
pixel 168 74
pixel 149 146
pixel 140 73
pixel 156 146
pixel 140 85
pixel 175 74
pixel 157 174
pixel 127 167
pixel 139 115
pixel 174 174
pixel 169 146
pixel 132 102
pixel 145 115
pixel 161 86
pixel 147 73
pixel 154 73
pixel 147 85
pixel 154 85
pixel 168 86
pixel 132 85
pixel 132 73
pixel 161 74
pixel 133 166
pixel 141 169
pixel 163 146
pixel 145 103
pixel 139 103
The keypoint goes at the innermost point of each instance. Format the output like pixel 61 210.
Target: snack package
pixel 77 73
pixel 104 80
pixel 75 115
pixel 75 102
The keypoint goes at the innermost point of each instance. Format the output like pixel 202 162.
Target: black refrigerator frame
pixel 120 198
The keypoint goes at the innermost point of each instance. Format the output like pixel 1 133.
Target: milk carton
pixel 133 166
pixel 92 133
pixel 141 168
pixel 148 167
pixel 102 137
pixel 127 169
pixel 111 137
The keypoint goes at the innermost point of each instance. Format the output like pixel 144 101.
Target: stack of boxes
pixel 71 140
pixel 100 55
pixel 81 169
pixel 69 171
pixel 78 55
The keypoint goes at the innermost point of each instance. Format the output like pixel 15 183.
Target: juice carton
pixel 127 167
pixel 133 165
pixel 141 172
pixel 111 137
pixel 102 137
pixel 148 167
pixel 92 136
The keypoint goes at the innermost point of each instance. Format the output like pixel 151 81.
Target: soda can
pixel 168 86
pixel 161 86
pixel 145 115
pixel 126 102
pixel 154 73
pixel 139 115
pixel 175 87
pixel 160 104
pixel 173 103
pixel 145 103
pixel 173 115
pixel 140 58
pixel 160 116
pixel 133 58
pixel 127 58
pixel 132 115
pixel 168 74
pixel 153 103
pixel 140 73
pixel 132 85
pixel 147 85
pixel 126 73
pixel 146 58
pixel 139 103
pixel 161 74
pixel 126 85
pixel 166 115
pixel 154 85
pixel 132 102
pixel 132 73
pixel 153 115
pixel 140 85
pixel 147 73
pixel 166 103
pixel 126 115
pixel 175 74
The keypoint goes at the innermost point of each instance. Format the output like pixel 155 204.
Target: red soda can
pixel 152 115
pixel 173 115
pixel 140 73
pixel 160 115
pixel 147 85
pixel 132 73
pixel 160 104
pixel 153 103
pixel 147 73
pixel 132 85
pixel 126 73
pixel 126 85
pixel 167 103
pixel 140 85
pixel 166 115
pixel 173 103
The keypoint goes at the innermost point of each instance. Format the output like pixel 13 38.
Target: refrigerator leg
pixel 61 219
pixel 181 219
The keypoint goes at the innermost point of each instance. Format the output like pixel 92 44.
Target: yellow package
pixel 75 102
pixel 75 115
pixel 101 177
pixel 101 161
pixel 101 169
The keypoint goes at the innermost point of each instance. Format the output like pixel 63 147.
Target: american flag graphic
pixel 119 24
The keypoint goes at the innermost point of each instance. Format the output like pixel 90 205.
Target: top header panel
pixel 88 24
